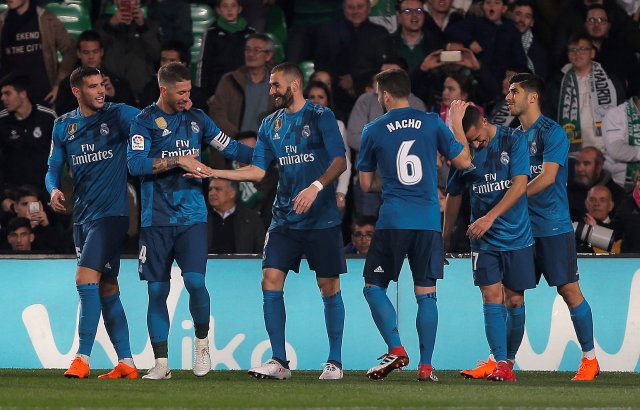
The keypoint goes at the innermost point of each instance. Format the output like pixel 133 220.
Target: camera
pixel 597 236
pixel 450 56
pixel 34 207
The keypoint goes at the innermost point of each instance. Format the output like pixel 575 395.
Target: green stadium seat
pixel 112 10
pixel 278 48
pixel 277 24
pixel 3 7
pixel 307 67
pixel 195 53
pixel 73 16
pixel 202 17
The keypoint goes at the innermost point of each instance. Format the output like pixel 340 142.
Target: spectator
pixel 170 52
pixel 494 39
pixel 232 227
pixel 90 52
pixel 25 135
pixel 440 13
pixel 361 234
pixel 349 48
pixel 31 38
pixel 586 93
pixel 456 87
pixel 322 76
pixel 621 134
pixel 383 13
pixel 27 205
pixel 599 206
pixel 242 99
pixel 308 17
pixel 319 93
pixel 174 18
pixel 258 196
pixel 589 172
pixel 222 45
pixel 131 44
pixel 19 235
pixel 628 218
pixel 524 15
pixel 614 54
pixel 409 41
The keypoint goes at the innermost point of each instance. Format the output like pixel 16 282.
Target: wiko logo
pixel 38 326
pixel 562 333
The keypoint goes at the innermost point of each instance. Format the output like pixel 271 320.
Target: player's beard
pixel 286 99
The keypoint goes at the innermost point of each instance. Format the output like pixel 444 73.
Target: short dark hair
pixel 172 73
pixel 399 61
pixel 394 81
pixel 575 38
pixel 472 116
pixel 321 85
pixel 19 222
pixel 525 3
pixel 26 190
pixel 363 220
pixel 18 81
pixel 89 35
pixel 529 82
pixel 597 6
pixel 464 82
pixel 399 3
pixel 179 47
pixel 289 70
pixel 79 74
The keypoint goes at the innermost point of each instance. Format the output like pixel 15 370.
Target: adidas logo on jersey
pixel 165 132
pixel 378 270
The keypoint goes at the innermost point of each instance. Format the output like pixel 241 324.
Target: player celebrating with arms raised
pixel 404 144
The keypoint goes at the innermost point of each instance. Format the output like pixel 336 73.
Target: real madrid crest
pixel 161 123
pixel 504 158
pixel 37 132
pixel 73 127
pixel 533 148
pixel 277 125
pixel 306 131
pixel 104 128
pixel 194 127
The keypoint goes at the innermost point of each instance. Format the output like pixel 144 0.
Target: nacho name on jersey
pixel 292 156
pixel 89 154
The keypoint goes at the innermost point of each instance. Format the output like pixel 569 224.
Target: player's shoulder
pixel 547 125
pixel 271 118
pixel 67 117
pixel 196 113
pixel 45 111
pixel 146 115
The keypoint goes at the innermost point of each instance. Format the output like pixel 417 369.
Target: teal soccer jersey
pixel 303 144
pixel 404 144
pixel 549 210
pixel 505 157
pixel 168 198
pixel 95 149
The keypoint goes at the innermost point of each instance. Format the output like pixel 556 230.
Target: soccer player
pixel 305 141
pixel 404 144
pixel 500 232
pixel 92 140
pixel 166 141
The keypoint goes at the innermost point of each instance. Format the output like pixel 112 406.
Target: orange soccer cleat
pixel 79 369
pixel 121 371
pixel 481 371
pixel 588 370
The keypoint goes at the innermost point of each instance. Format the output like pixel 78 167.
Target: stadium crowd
pixel 587 51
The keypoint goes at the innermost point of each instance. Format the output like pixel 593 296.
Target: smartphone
pixel 451 56
pixel 34 207
pixel 125 7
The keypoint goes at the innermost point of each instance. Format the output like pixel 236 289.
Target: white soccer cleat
pixel 272 369
pixel 331 372
pixel 160 371
pixel 201 358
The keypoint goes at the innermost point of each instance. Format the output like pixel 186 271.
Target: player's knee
pixel 328 286
pixel 158 290
pixel 108 286
pixel 193 281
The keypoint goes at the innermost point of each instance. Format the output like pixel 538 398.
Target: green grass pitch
pixel 235 389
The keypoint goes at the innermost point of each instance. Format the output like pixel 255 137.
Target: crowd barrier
pixel 40 307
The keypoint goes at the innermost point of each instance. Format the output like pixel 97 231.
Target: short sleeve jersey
pixel 488 181
pixel 168 198
pixel 303 144
pixel 95 149
pixel 404 144
pixel 549 210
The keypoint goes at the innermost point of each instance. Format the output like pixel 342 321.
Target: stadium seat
pixel 3 7
pixel 277 24
pixel 307 68
pixel 202 17
pixel 112 10
pixel 73 15
pixel 195 53
pixel 278 49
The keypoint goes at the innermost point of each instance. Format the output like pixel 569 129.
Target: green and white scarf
pixel 249 194
pixel 633 129
pixel 603 97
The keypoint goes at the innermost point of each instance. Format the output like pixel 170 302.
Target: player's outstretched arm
pixel 248 173
pixel 193 167
pixel 545 179
pixel 481 225
pixel 451 211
